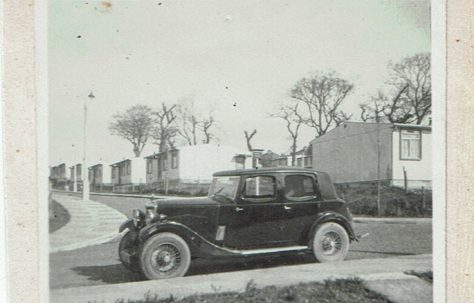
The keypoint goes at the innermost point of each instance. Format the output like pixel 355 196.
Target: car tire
pixel 129 240
pixel 165 255
pixel 330 243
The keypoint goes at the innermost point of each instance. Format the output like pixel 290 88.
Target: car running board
pixel 268 250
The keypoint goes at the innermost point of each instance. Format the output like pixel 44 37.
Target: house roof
pixel 117 163
pixel 413 126
pixel 357 127
pixel 96 165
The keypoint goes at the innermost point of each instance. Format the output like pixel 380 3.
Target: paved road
pixel 384 275
pixel 98 265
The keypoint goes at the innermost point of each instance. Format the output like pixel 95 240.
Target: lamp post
pixel 85 170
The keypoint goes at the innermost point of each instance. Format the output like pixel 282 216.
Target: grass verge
pixel 427 275
pixel 331 291
pixel 58 216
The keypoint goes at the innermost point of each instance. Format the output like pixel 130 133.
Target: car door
pixel 301 203
pixel 254 221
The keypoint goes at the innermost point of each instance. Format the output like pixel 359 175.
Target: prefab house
pixel 99 176
pixel 128 173
pixel 57 176
pixel 75 177
pixel 399 154
pixel 194 164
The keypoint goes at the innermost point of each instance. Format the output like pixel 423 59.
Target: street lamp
pixel 85 170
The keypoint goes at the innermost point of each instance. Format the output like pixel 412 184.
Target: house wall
pixel 419 172
pixel 152 175
pixel 114 175
pixel 99 174
pixel 78 172
pixel 138 171
pixel 349 152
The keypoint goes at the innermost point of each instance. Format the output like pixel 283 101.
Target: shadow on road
pixel 110 274
pixel 116 273
pixel 383 252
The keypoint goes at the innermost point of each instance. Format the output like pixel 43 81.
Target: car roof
pixel 253 171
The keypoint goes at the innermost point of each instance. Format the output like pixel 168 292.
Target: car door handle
pixel 287 207
pixel 239 209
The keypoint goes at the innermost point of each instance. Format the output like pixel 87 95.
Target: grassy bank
pixel 334 291
pixel 427 275
pixel 394 201
pixel 58 216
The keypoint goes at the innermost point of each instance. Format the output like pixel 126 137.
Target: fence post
pixel 405 180
pixel 423 201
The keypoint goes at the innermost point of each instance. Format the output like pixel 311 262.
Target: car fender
pixel 127 225
pixel 332 217
pixel 199 246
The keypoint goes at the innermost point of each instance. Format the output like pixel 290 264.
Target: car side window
pixel 259 187
pixel 300 187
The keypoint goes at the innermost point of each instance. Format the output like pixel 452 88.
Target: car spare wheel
pixel 330 243
pixel 165 255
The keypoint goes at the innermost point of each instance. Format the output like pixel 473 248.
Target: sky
pixel 236 58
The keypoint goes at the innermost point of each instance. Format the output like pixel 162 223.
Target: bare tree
pixel 165 129
pixel 206 124
pixel 415 73
pixel 294 120
pixel 323 95
pixel 135 125
pixel 385 109
pixel 248 138
pixel 409 99
pixel 192 126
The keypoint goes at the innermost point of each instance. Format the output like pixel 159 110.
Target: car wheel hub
pixel 331 243
pixel 166 258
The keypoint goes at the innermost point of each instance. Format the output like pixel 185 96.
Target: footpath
pixel 386 276
pixel 91 223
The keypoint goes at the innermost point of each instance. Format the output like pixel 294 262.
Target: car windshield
pixel 224 186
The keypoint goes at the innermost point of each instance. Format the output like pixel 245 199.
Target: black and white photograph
pixel 240 151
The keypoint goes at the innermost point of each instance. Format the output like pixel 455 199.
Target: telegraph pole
pixel 85 171
pixel 379 211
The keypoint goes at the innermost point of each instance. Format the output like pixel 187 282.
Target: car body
pixel 247 212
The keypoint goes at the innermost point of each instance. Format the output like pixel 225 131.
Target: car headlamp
pixel 137 217
pixel 151 213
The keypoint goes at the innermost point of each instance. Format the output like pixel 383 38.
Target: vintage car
pixel 247 213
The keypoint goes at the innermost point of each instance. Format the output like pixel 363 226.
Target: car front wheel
pixel 330 243
pixel 164 256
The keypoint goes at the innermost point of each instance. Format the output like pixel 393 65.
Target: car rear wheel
pixel 330 243
pixel 164 256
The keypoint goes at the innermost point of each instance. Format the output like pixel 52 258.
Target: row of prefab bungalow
pixel 185 169
pixel 399 154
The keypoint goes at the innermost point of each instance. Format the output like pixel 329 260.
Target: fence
pixel 173 187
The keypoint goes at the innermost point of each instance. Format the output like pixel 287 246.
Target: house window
pixel 307 161
pixel 129 168
pixel 123 169
pixel 410 145
pixel 174 161
pixel 165 163
pixel 299 162
pixel 149 166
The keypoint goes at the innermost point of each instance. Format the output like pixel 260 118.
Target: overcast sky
pixel 218 53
